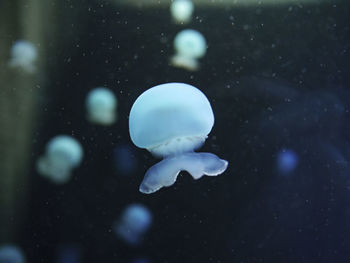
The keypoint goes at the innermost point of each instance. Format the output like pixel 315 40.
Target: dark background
pixel 276 76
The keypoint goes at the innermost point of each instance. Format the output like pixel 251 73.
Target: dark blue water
pixel 277 78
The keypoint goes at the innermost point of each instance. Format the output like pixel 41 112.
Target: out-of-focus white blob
pixel 287 161
pixel 135 220
pixel 11 254
pixel 171 121
pixel 181 11
pixel 190 45
pixel 63 153
pixel 23 56
pixel 101 106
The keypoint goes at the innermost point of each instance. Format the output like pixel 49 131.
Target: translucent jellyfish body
pixel 11 254
pixel 171 121
pixel 63 153
pixel 181 11
pixel 135 220
pixel 23 56
pixel 190 45
pixel 101 106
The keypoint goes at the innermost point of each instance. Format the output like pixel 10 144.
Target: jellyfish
pixel 171 121
pixel 68 253
pixel 141 260
pixel 190 45
pixel 63 153
pixel 287 161
pixel 181 11
pixel 11 254
pixel 101 105
pixel 135 220
pixel 23 56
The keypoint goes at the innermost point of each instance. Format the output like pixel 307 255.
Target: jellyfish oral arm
pixel 164 173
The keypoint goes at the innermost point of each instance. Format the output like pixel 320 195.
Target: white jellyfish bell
pixel 181 11
pixel 171 121
pixel 190 45
pixel 23 56
pixel 63 153
pixel 101 106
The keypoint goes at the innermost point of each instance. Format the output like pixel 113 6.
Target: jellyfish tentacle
pixel 160 175
pixel 164 173
pixel 211 164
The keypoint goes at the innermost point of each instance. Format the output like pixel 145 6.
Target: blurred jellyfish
pixel 135 220
pixel 68 253
pixel 11 254
pixel 101 105
pixel 63 153
pixel 181 11
pixel 124 159
pixel 171 121
pixel 23 56
pixel 287 161
pixel 190 45
pixel 141 260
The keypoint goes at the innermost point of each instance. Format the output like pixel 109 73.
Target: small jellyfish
pixel 181 11
pixel 287 161
pixel 63 153
pixel 135 220
pixel 171 121
pixel 11 254
pixel 101 105
pixel 23 56
pixel 190 45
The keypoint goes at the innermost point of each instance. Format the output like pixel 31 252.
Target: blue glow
pixel 287 161
pixel 68 254
pixel 133 224
pixel 11 254
pixel 124 159
pixel 141 260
